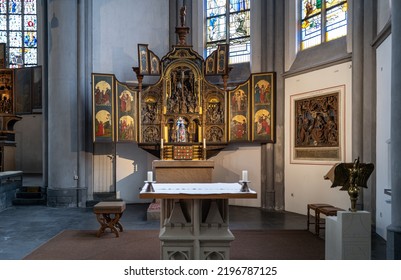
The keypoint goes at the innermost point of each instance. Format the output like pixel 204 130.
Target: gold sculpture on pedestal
pixel 350 177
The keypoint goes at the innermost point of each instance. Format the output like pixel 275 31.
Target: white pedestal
pixel 348 236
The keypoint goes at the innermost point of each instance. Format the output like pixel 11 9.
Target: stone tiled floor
pixel 24 228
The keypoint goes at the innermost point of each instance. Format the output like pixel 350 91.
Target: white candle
pixel 204 143
pixel 244 175
pixel 161 143
pixel 118 195
pixel 150 176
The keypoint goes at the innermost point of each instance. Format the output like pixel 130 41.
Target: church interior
pixel 185 114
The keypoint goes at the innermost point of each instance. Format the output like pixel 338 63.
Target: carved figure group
pixel 149 113
pixel 317 122
pixel 183 98
pixel 215 114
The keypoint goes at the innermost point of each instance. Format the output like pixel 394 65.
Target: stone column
pixel 272 55
pixel 62 113
pixel 357 83
pixel 267 64
pixel 394 230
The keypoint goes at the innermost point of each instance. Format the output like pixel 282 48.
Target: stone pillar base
pixel 393 243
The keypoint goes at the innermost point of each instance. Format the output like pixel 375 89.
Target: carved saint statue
pixel 183 12
pixel 181 131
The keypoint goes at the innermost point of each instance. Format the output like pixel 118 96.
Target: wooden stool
pixel 327 211
pixel 313 207
pixel 104 210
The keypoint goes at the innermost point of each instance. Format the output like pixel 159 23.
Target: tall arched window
pixel 322 21
pixel 228 22
pixel 18 30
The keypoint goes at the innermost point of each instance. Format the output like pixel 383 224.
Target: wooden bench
pixel 327 211
pixel 313 207
pixel 108 214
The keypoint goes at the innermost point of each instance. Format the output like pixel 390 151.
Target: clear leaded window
pixel 18 29
pixel 228 22
pixel 322 21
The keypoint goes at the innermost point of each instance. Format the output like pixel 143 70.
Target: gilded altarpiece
pixel 183 115
pixel 182 111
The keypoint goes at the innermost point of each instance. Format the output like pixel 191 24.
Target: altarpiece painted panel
pixel 3 60
pixel 263 107
pixel 239 101
pixel 144 60
pixel 103 107
pixel 126 113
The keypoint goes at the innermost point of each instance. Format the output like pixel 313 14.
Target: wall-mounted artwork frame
pixel 318 126
pixel 143 59
pixel 238 113
pixel 103 92
pixel 126 118
pixel 263 90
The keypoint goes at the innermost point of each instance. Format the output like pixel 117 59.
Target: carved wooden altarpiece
pixel 183 116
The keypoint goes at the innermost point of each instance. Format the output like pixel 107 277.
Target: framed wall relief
pixel 263 107
pixel 126 113
pixel 317 126
pixel 103 107
pixel 239 120
pixel 144 60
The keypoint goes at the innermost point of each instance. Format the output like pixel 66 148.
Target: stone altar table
pixel 195 218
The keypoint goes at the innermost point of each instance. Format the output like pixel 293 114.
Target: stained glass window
pixel 18 29
pixel 322 21
pixel 228 22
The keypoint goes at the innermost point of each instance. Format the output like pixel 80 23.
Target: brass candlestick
pixel 244 187
pixel 149 186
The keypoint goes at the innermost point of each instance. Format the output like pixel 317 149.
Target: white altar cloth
pixel 197 188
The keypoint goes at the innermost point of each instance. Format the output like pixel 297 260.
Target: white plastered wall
pixel 304 182
pixel 229 164
pixel 383 137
